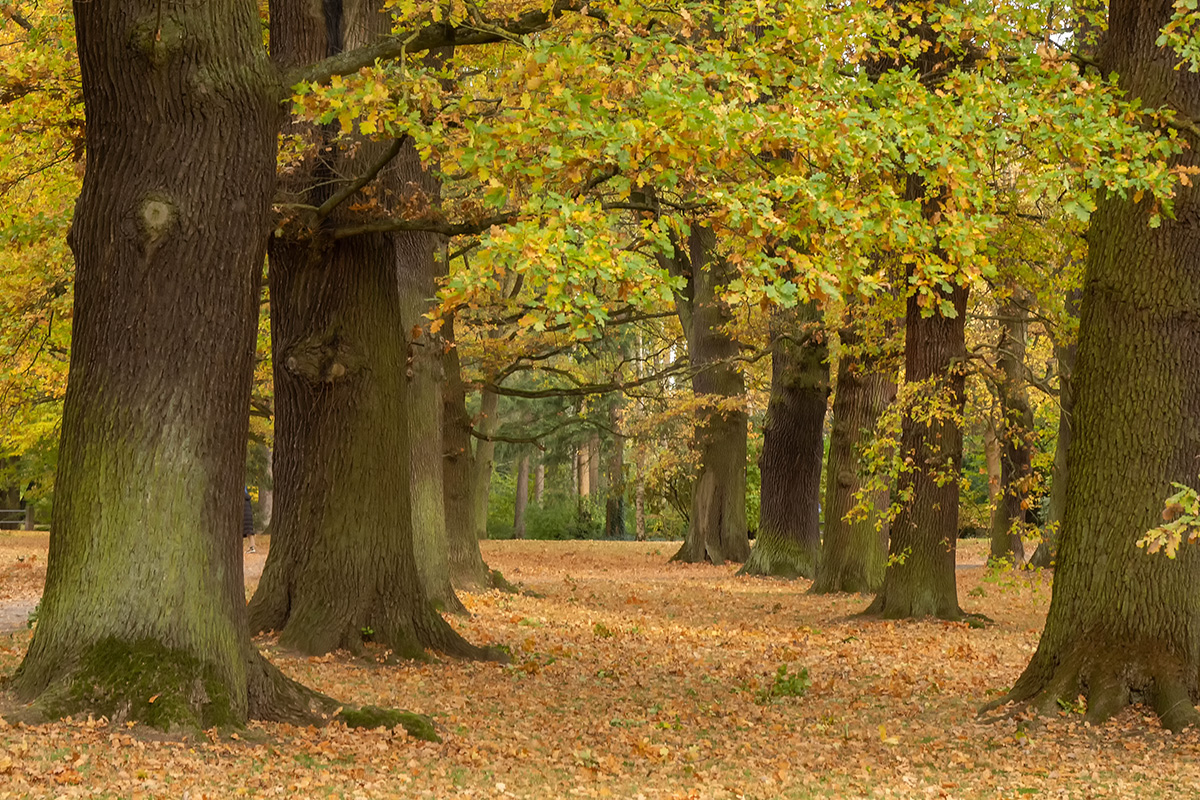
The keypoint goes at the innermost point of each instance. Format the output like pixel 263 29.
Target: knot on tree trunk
pixel 321 359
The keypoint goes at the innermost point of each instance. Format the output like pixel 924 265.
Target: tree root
pixel 780 560
pixel 1108 685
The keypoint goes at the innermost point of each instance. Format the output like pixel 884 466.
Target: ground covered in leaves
pixel 634 678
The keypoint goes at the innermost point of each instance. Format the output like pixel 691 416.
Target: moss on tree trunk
pixel 143 615
pixel 1124 626
pixel 854 552
pixel 789 530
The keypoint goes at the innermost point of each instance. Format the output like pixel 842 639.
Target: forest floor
pixel 635 678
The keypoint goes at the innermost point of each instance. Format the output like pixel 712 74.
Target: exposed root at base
pixel 1107 685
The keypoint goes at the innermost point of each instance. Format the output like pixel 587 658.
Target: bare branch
pixel 349 189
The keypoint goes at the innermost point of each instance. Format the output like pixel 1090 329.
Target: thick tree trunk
pixel 1016 439
pixel 522 498
pixel 485 455
pixel 467 568
pixel 1045 554
pixel 717 523
pixel 789 528
pixel 341 564
pixel 583 470
pixel 919 580
pixel 1124 625
pixel 417 269
pixel 854 553
pixel 143 615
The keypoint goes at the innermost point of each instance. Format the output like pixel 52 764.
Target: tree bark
pixel 168 238
pixel 639 496
pixel 993 460
pixel 614 501
pixel 485 455
pixel 521 501
pixel 1015 439
pixel 789 527
pixel 1045 554
pixel 341 564
pixel 1124 625
pixel 467 567
pixel 539 482
pixel 417 269
pixel 717 522
pixel 920 576
pixel 854 553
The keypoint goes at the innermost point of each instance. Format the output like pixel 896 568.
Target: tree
pixel 1123 625
pixel 717 523
pixel 342 560
pixel 155 417
pixel 1016 435
pixel 854 548
pixel 920 577
pixel 789 532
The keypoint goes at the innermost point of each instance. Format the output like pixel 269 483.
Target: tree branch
pixel 349 189
pixel 426 224
pixel 431 36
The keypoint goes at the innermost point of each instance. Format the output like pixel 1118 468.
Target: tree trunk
pixel 993 460
pixel 854 553
pixel 417 269
pixel 168 240
pixel 341 565
pixel 1016 439
pixel 522 498
pixel 920 577
pixel 789 527
pixel 614 501
pixel 593 448
pixel 1047 549
pixel 485 455
pixel 717 523
pixel 467 568
pixel 639 496
pixel 1124 625
pixel 539 482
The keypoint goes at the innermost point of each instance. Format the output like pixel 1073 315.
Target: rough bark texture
pixel 1045 554
pixel 341 563
pixel 717 522
pixel 417 268
pixel 522 498
pixel 1016 439
pixel 539 482
pixel 789 527
pixel 854 553
pixel 992 459
pixel 919 580
pixel 482 463
pixel 168 239
pixel 1124 626
pixel 467 568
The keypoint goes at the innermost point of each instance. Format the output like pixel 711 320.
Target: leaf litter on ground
pixel 634 678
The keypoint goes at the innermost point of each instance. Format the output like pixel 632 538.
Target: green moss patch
pixel 147 682
pixel 417 725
